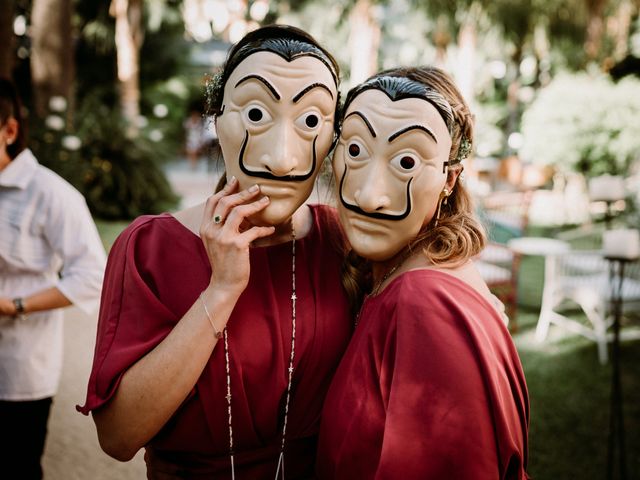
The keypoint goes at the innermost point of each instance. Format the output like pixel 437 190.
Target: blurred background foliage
pixel 584 123
pixel 136 67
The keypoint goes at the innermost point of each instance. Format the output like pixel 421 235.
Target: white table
pixel 545 247
pixel 549 249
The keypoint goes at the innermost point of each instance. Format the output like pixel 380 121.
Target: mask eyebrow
pixel 410 128
pixel 262 80
pixel 306 90
pixel 364 119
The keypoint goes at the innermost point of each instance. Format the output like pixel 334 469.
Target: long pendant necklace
pixel 280 467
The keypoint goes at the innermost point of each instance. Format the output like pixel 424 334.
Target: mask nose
pixel 371 196
pixel 281 158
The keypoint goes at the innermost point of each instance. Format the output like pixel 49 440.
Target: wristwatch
pixel 19 305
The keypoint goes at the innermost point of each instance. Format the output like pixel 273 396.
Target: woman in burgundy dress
pixel 431 386
pixel 221 326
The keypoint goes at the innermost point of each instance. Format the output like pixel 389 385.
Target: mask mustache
pixel 377 215
pixel 271 176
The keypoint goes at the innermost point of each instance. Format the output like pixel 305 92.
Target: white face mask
pixel 277 128
pixel 389 170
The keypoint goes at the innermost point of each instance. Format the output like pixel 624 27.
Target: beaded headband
pixel 286 47
pixel 398 88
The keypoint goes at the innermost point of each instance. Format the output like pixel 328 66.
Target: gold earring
pixel 443 196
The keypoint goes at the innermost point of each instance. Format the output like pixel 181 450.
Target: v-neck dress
pixel 156 270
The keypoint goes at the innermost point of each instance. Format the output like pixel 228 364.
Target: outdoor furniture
pixel 609 189
pixel 578 278
pixel 506 216
pixel 498 266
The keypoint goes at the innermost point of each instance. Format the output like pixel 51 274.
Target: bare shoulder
pixel 470 275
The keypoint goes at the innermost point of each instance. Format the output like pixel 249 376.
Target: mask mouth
pixel 271 176
pixel 377 215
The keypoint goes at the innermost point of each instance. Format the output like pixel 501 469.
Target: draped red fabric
pixel 431 386
pixel 155 272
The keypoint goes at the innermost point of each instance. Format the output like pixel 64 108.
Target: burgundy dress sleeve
pixel 430 387
pixel 132 320
pixel 449 412
pixel 155 272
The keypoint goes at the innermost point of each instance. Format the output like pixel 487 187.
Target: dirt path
pixel 72 451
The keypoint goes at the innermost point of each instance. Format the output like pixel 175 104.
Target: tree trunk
pixel 513 103
pixel 364 39
pixel 595 28
pixel 441 39
pixel 7 7
pixel 52 65
pixel 129 38
pixel 465 74
pixel 622 27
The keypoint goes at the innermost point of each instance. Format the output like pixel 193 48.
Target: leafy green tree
pixel 584 123
pixel 91 146
pixel 52 65
pixel 129 35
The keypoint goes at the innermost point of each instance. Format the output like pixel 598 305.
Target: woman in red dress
pixel 431 386
pixel 221 326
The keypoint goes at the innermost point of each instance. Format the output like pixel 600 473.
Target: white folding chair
pixel 582 278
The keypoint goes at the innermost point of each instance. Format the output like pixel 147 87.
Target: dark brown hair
pixel 10 107
pixel 458 235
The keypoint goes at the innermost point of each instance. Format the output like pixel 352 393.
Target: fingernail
pixel 254 189
pixel 264 199
pixel 232 179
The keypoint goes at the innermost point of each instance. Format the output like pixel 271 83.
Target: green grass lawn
pixel 109 230
pixel 569 392
pixel 568 388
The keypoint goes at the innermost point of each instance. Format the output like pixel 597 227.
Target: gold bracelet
pixel 216 333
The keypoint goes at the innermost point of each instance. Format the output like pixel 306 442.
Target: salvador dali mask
pixel 277 127
pixel 390 165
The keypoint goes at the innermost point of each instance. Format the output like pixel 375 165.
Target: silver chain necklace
pixel 376 288
pixel 280 467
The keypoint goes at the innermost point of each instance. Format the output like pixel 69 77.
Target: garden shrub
pixel 584 123
pixel 119 175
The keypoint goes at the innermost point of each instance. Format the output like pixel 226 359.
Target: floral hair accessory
pixel 465 149
pixel 213 90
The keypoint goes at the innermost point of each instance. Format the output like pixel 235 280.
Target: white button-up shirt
pixel 47 239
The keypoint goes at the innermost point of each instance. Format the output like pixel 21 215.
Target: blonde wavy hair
pixel 457 235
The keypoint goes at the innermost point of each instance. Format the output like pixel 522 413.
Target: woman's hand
pixel 225 238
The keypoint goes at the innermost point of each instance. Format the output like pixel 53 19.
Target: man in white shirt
pixel 50 257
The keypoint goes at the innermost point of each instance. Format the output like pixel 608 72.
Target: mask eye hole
pixel 355 153
pixel 405 163
pixel 354 150
pixel 256 115
pixel 308 121
pixel 311 121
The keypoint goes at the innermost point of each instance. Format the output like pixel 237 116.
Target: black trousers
pixel 23 429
